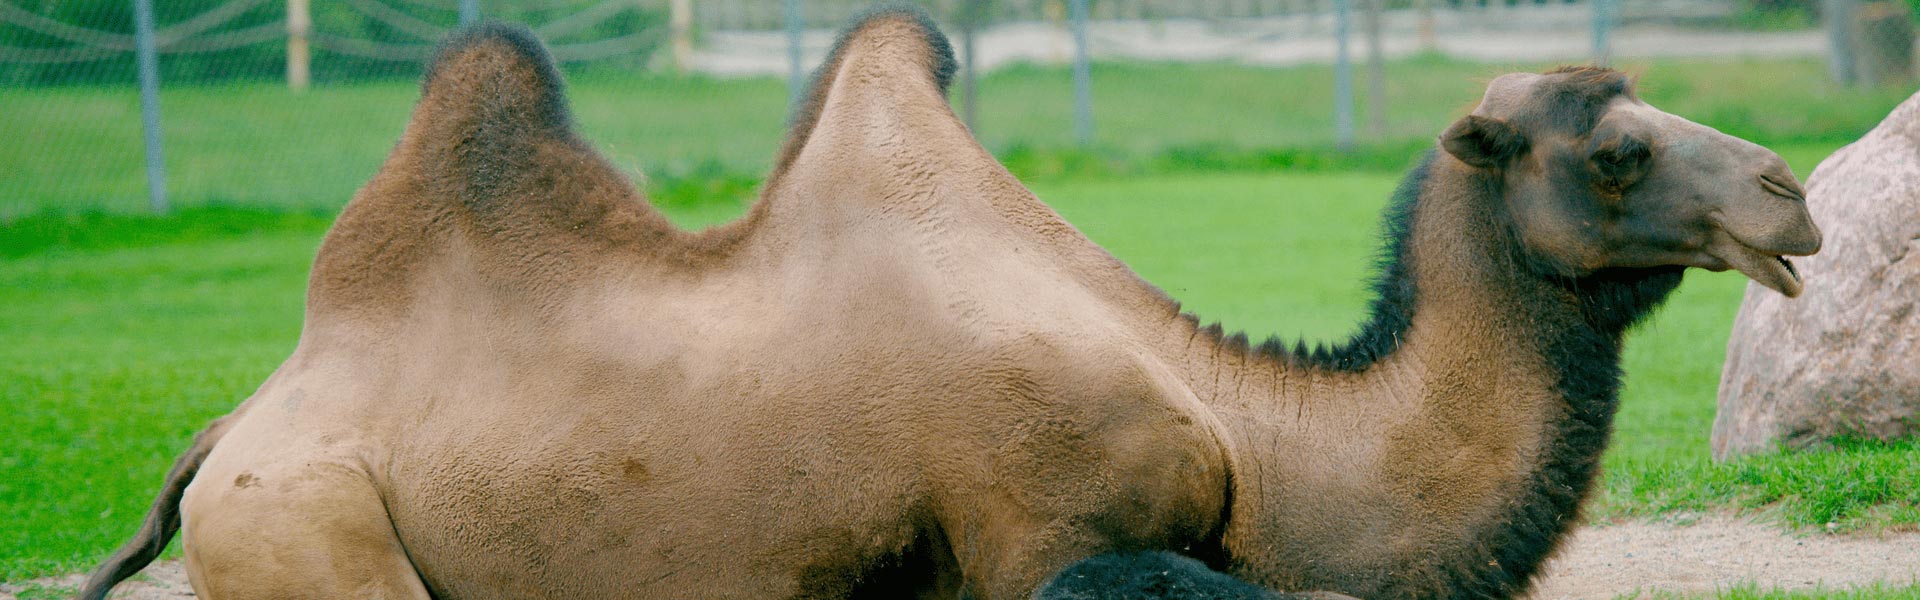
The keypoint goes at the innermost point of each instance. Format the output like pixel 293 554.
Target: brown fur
pixel 900 374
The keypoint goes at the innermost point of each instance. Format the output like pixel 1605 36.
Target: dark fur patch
pixel 1162 575
pixel 1388 315
pixel 549 106
pixel 1583 350
pixel 806 112
pixel 1391 311
pixel 490 95
pixel 1578 96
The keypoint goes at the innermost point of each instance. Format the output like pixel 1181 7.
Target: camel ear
pixel 1484 142
pixel 491 99
pixel 887 74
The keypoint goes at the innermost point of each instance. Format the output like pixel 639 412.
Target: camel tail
pixel 163 520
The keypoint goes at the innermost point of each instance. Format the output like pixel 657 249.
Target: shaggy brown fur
pixel 902 374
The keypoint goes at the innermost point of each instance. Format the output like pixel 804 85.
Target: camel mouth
pixel 1771 270
pixel 1768 267
pixel 1790 283
pixel 1757 238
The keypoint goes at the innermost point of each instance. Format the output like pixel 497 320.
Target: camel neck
pixel 1445 449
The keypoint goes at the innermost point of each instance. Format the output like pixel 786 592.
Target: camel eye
pixel 1620 161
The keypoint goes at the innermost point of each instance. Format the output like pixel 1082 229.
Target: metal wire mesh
pixel 295 102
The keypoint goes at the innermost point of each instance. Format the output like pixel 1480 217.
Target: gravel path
pixel 1600 562
pixel 1721 552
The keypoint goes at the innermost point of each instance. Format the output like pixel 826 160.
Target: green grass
pixel 259 144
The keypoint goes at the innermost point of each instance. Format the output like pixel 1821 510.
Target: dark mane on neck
pixel 1578 324
pixel 1582 349
pixel 1388 315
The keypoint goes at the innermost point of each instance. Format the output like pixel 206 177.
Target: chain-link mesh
pixel 247 120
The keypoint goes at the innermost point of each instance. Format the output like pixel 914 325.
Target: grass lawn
pixel 122 345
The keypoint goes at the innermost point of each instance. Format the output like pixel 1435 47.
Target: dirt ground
pixel 1717 553
pixel 1599 562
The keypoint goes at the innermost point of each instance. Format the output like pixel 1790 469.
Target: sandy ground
pixel 1719 553
pixel 1600 562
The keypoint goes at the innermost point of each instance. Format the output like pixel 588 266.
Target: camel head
pixel 1594 178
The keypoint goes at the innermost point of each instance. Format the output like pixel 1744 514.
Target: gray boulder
pixel 1844 358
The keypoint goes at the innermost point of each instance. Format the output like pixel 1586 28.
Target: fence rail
pixel 325 40
pixel 410 28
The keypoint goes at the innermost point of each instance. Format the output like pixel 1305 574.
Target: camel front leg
pixel 1017 531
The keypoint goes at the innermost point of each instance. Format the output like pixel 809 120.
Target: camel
pixel 900 373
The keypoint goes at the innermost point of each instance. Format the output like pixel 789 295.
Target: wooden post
pixel 299 58
pixel 680 20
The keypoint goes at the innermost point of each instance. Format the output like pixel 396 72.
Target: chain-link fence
pixel 295 102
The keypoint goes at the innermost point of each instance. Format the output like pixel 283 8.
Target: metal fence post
pixel 796 73
pixel 469 12
pixel 1376 68
pixel 1602 31
pixel 1342 76
pixel 1841 64
pixel 150 103
pixel 1082 74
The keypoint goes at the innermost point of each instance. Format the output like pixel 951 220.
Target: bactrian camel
pixel 900 372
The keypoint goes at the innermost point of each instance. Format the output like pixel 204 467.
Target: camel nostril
pixel 1784 187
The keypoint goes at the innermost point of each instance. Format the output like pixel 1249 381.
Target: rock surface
pixel 1844 358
